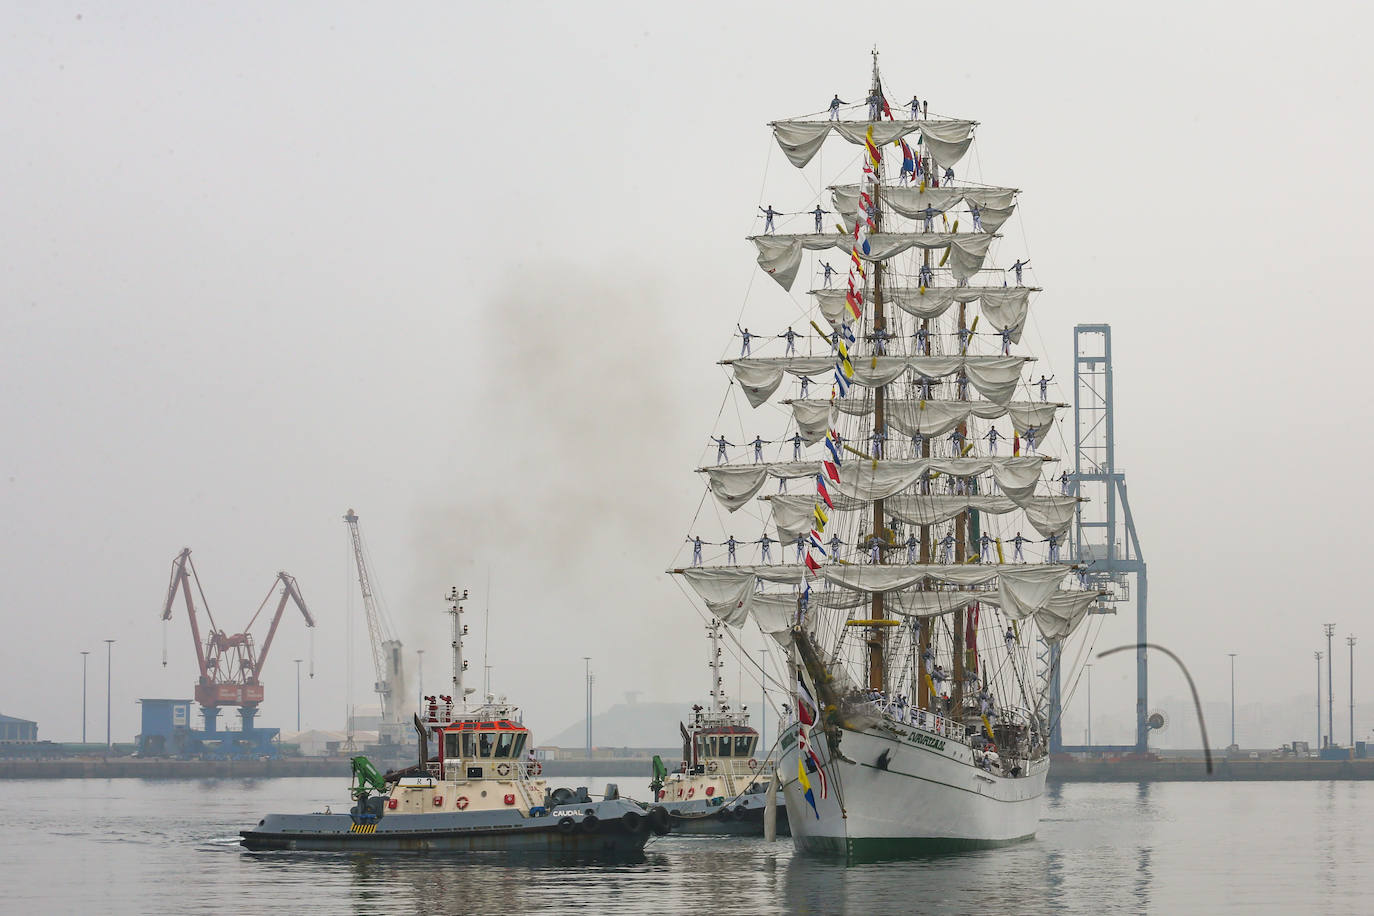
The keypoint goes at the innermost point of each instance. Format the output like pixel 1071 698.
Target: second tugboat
pixel 480 791
pixel 721 786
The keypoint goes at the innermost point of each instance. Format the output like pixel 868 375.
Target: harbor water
pixel 171 846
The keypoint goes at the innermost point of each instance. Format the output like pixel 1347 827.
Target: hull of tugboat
pixel 903 791
pixel 744 818
pixel 616 826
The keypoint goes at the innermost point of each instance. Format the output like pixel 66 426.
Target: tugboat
pixel 721 786
pixel 480 791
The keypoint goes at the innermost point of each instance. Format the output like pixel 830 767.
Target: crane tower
pixel 387 659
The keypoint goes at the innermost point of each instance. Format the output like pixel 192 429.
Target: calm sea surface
pixel 135 846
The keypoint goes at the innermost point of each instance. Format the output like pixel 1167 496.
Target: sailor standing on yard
pixel 745 337
pixel 1064 483
pixel 1018 541
pixel 801 547
pixel 1018 266
pixel 926 276
pixel 875 107
pixel 765 543
pixel 965 335
pixel 791 337
pixel 992 437
pixel 928 216
pixel 1010 637
pixel 818 213
pixel 915 104
pixel 986 543
pixel 1053 541
pixel 796 441
pixel 730 544
pixel 977 213
pixel 720 448
pixel 947 549
pixel 835 545
pixel 805 381
pixel 1006 334
pixel 835 104
pixel 911 544
pixel 758 444
pixel 768 215
pixel 922 338
pixel 696 550
pixel 829 272
pixel 1044 384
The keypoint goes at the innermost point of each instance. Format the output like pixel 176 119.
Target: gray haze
pixel 466 268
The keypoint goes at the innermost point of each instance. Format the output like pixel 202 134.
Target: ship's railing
pixel 936 724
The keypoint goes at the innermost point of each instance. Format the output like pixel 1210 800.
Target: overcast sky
pixel 467 269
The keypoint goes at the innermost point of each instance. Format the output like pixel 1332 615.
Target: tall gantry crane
pixel 230 664
pixel 387 659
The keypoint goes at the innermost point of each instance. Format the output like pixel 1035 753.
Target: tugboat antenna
pixel 455 610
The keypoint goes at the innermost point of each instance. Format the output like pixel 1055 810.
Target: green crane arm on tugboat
pixel 366 779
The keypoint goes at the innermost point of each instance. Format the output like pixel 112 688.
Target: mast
pixel 877 636
pixel 960 554
pixel 717 682
pixel 455 609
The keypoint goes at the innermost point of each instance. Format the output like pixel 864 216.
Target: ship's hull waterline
pixel 924 798
pixel 451 833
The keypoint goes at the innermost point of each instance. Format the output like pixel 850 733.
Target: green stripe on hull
pixel 877 849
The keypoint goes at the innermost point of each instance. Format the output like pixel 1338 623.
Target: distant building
pixel 17 731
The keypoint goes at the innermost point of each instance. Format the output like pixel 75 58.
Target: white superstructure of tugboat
pixel 480 790
pixel 721 785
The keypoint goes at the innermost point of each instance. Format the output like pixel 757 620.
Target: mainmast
pixel 877 635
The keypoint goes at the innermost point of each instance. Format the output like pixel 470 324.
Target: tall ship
pixel 480 790
pixel 721 785
pixel 909 571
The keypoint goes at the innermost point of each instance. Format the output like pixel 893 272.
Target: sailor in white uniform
pixel 720 447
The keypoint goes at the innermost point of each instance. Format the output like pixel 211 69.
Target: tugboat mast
pixel 455 609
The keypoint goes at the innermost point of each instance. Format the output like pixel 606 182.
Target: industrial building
pixel 17 731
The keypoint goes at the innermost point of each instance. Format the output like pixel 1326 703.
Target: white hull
pixel 929 798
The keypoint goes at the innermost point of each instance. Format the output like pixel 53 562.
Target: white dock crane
pixel 386 651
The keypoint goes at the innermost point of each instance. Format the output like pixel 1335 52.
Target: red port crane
pixel 230 664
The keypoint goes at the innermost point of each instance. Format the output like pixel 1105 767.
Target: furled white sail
pixel 946 141
pixel 780 255
pixel 1003 306
pixel 929 418
pixel 995 205
pixel 1049 515
pixel 994 377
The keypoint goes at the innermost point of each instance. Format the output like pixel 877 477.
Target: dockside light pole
pixel 1233 698
pixel 298 692
pixel 1318 656
pixel 109 658
pixel 84 654
pixel 588 661
pixel 1330 699
pixel 1350 641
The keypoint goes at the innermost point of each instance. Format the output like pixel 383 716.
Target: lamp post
pixel 1318 656
pixel 1233 698
pixel 1089 670
pixel 83 695
pixel 763 702
pixel 298 692
pixel 109 658
pixel 1330 700
pixel 1350 641
pixel 588 660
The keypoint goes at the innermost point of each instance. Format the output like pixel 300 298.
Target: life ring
pixel 567 825
pixel 461 803
pixel 692 791
pixel 590 823
pixel 503 769
pixel 509 799
pixel 753 764
pixel 391 804
pixel 662 794
pixel 710 790
pixel 438 801
pixel 713 766
pixel 535 768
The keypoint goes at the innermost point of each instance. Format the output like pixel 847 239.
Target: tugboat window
pixel 743 746
pixel 519 746
pixel 725 747
pixel 451 745
pixel 469 746
pixel 712 746
pixel 504 744
pixel 484 740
